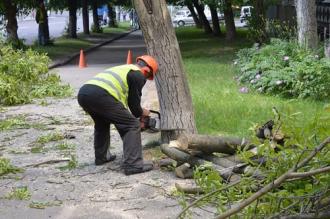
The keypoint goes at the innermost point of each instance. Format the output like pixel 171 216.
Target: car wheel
pixel 181 23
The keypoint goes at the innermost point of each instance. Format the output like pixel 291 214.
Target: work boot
pixel 100 161
pixel 132 170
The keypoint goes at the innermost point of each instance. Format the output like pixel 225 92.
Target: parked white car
pixel 184 18
pixel 245 13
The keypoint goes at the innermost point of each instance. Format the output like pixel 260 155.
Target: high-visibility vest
pixel 114 80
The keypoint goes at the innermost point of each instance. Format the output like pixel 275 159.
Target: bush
pixel 284 68
pixel 24 76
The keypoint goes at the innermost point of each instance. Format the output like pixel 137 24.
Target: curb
pixel 75 55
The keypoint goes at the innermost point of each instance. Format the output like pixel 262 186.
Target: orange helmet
pixel 149 61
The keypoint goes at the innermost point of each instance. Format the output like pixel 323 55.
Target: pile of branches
pixel 193 150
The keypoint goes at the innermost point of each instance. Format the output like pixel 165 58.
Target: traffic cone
pixel 82 61
pixel 129 57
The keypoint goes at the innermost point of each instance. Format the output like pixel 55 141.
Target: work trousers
pixel 105 110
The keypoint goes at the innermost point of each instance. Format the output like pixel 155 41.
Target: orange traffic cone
pixel 82 62
pixel 129 57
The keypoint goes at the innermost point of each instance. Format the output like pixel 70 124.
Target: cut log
pixel 184 171
pixel 166 162
pixel 222 161
pixel 210 144
pixel 180 156
pixel 189 190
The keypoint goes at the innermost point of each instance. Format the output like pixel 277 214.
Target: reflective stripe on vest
pixel 114 80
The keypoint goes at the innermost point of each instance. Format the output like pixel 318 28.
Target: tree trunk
pixel 307 25
pixel 176 107
pixel 73 18
pixel 215 20
pixel 229 20
pixel 45 26
pixel 259 15
pixel 193 14
pixel 111 15
pixel 10 14
pixel 202 17
pixel 85 15
pixel 95 16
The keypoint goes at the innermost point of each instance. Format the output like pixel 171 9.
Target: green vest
pixel 114 80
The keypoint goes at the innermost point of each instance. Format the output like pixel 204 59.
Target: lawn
pixel 219 106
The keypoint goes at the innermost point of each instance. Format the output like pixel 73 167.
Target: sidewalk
pixel 96 40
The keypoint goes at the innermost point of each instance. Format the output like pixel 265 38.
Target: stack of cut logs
pixel 191 150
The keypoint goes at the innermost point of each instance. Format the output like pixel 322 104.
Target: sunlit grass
pixel 219 106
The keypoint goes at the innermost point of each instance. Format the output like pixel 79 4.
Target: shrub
pixel 284 68
pixel 24 76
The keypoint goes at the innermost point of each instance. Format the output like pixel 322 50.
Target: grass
pixel 20 193
pixel 219 106
pixel 50 137
pixel 64 46
pixel 6 167
pixel 72 164
pixel 65 146
pixel 19 122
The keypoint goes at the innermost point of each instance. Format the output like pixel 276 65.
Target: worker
pixel 107 98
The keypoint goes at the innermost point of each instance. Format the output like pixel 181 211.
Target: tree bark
pixel 193 14
pixel 209 144
pixel 229 20
pixel 259 15
pixel 176 107
pixel 95 16
pixel 85 15
pixel 307 25
pixel 202 17
pixel 111 15
pixel 215 20
pixel 46 26
pixel 72 18
pixel 10 14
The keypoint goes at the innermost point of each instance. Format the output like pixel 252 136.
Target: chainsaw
pixel 150 123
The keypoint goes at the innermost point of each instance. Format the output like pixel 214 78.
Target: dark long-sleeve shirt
pixel 135 81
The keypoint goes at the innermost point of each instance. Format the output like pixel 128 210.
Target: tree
pixel 193 13
pixel 202 17
pixel 307 25
pixel 85 15
pixel 215 19
pixel 97 27
pixel 10 11
pixel 111 15
pixel 229 20
pixel 72 18
pixel 174 95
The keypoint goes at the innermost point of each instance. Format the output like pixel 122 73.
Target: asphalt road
pixel 28 28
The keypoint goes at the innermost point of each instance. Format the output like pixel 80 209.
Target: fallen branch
pixel 48 162
pixel 309 173
pixel 190 190
pixel 273 184
pixel 206 196
pixel 320 215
